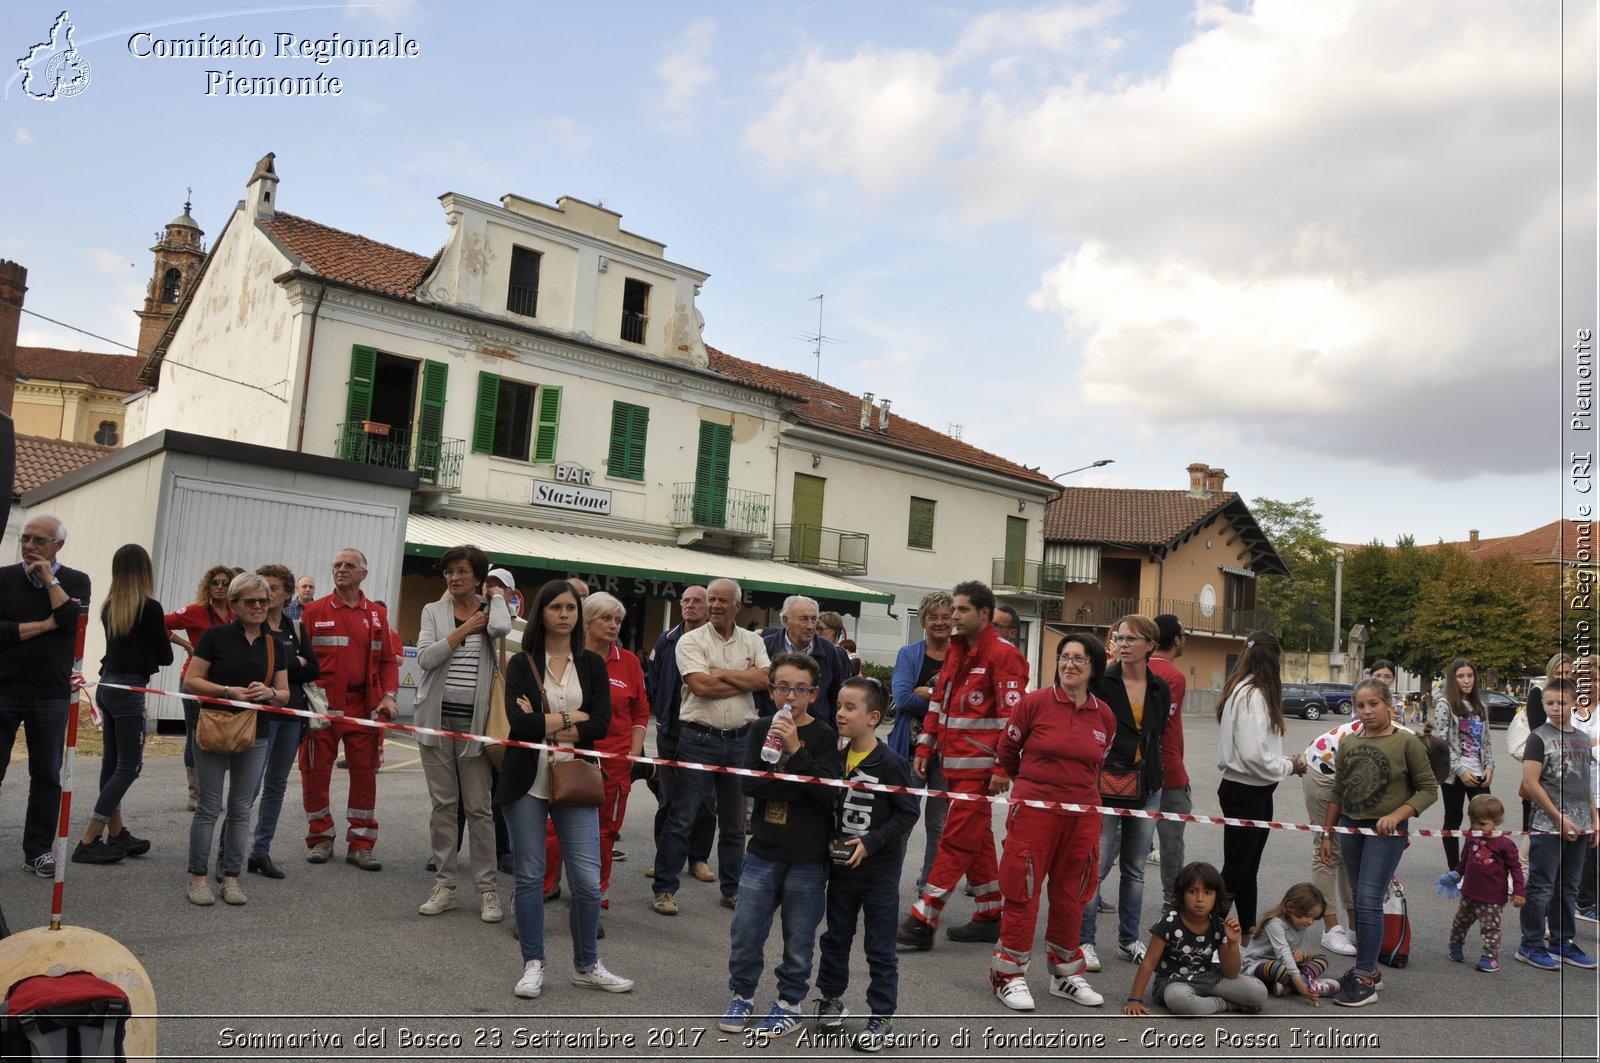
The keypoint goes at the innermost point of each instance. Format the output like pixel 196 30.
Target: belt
pixel 715 732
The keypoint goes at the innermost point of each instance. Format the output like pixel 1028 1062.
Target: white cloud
pixel 22 137
pixel 388 14
pixel 1060 28
pixel 110 263
pixel 684 72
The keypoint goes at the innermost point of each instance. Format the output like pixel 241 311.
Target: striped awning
pixel 1232 571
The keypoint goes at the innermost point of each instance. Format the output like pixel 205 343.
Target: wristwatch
pixel 54 582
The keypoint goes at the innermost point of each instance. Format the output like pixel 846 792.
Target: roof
pixel 346 258
pixel 112 372
pixel 1128 516
pixel 40 460
pixel 822 405
pixel 1558 541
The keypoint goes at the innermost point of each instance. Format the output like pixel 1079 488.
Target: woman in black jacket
pixel 1131 779
pixel 556 692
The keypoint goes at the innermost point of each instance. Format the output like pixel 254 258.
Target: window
pixel 171 281
pixel 106 434
pixel 635 307
pixel 513 418
pixel 628 426
pixel 919 535
pixel 522 297
pixel 1016 550
pixel 711 475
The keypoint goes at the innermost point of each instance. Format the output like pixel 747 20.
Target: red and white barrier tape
pixel 886 788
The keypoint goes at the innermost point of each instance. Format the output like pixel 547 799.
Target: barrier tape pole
pixel 59 849
pixel 844 784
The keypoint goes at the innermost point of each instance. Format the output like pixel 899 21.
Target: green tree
pixel 1499 611
pixel 1295 529
pixel 1381 586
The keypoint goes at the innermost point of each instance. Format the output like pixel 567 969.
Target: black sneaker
pixel 986 930
pixel 96 852
pixel 914 934
pixel 129 844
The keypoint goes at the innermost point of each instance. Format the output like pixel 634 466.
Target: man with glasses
pixel 722 666
pixel 361 674
pixel 40 602
pixel 799 635
pixel 664 686
pixel 1007 624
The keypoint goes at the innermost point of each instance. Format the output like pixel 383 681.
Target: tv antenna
pixel 818 338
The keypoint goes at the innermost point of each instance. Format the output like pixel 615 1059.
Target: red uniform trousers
pixel 966 848
pixel 1040 846
pixel 361 755
pixel 617 774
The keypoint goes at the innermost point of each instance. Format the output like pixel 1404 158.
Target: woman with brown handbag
pixel 557 692
pixel 238 661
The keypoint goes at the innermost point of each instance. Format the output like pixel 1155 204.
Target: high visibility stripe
pixel 962 763
pixel 988 906
pixel 975 723
pixel 1063 962
pixel 319 813
pixel 363 832
pixel 361 813
pixel 1009 962
pixel 330 640
pixel 986 888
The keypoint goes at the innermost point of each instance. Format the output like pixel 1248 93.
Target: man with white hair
pixel 799 635
pixel 40 602
pixel 722 665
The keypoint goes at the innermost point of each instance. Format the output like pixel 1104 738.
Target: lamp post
pixel 1092 465
pixel 1309 629
pixel 1336 662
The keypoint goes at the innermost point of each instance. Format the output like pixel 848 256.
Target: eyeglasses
pixel 1119 639
pixel 256 603
pixel 799 692
pixel 25 539
pixel 1072 658
pixel 221 582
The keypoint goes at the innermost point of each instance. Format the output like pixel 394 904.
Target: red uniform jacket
pixel 976 690
pixel 1054 748
pixel 629 706
pixel 355 648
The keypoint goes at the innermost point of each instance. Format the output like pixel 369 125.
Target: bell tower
pixel 178 257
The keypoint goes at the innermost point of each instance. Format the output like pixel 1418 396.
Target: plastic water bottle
pixel 772 748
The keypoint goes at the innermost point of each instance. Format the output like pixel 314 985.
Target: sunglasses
pixel 260 603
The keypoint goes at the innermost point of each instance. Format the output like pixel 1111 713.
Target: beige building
pixel 77 396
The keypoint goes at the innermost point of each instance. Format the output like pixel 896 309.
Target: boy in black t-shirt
pixel 786 863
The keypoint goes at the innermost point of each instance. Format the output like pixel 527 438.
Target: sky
pixel 1313 244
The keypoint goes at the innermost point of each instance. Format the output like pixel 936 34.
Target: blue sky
pixel 1312 244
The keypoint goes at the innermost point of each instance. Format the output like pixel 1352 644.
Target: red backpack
pixel 74 1016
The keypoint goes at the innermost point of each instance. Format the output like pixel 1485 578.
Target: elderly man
pixel 665 687
pixel 722 666
pixel 305 592
pixel 40 602
pixel 799 635
pixel 361 674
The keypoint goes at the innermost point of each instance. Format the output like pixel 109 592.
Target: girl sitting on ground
pixel 1187 982
pixel 1277 954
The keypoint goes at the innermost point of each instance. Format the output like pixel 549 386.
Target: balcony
pixel 438 463
pixel 1012 576
pixel 634 326
pixel 1103 612
pixel 743 513
pixel 817 547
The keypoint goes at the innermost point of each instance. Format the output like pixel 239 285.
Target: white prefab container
pixel 194 502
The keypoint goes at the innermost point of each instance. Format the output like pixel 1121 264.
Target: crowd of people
pixel 1105 731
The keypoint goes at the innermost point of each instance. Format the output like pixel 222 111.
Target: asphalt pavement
pixel 335 963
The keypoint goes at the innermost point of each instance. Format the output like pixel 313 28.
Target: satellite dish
pixel 1208 600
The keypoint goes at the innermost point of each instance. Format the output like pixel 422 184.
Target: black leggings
pixel 1242 846
pixel 1454 797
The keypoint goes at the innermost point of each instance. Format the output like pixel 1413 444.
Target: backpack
pixel 1396 948
pixel 74 1016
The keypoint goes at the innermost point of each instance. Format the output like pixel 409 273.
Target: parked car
pixel 1501 707
pixel 1300 699
pixel 1339 696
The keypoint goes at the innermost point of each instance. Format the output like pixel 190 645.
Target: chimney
pixel 866 410
pixel 1214 480
pixel 883 417
pixel 1197 480
pixel 1472 536
pixel 261 189
pixel 13 285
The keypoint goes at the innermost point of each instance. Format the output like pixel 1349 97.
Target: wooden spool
pixel 73 948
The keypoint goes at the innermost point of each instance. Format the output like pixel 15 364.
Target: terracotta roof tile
pixel 40 460
pixel 1557 541
pixel 1128 516
pixel 113 372
pixel 822 405
pixel 346 258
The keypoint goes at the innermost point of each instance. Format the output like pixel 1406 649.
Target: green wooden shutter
pixel 806 534
pixel 1016 549
pixel 711 475
pixel 629 424
pixel 483 419
pixel 358 399
pixel 919 534
pixel 430 420
pixel 544 440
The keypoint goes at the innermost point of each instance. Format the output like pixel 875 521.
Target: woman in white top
pixel 1250 757
pixel 557 692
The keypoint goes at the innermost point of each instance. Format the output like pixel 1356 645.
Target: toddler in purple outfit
pixel 1486 863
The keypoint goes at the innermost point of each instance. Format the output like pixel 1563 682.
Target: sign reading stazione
pixel 569 491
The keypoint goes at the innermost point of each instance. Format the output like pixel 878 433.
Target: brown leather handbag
pixel 225 731
pixel 574 780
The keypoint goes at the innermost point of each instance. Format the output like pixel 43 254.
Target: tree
pixel 1381 586
pixel 1295 529
pixel 1501 612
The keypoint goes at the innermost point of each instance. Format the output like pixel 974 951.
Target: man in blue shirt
pixel 799 635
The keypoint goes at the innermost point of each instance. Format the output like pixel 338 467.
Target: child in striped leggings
pixel 1276 953
pixel 1485 865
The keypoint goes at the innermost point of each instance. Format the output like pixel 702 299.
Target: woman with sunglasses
pixel 232 662
pixel 185 626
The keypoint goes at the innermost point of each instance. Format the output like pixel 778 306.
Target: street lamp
pixel 1081 468
pixel 1309 629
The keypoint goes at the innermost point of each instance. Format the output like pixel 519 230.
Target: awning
pixel 1233 571
pixel 428 536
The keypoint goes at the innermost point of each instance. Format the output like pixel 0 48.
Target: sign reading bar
pixel 570 496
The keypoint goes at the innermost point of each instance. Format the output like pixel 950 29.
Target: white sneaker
pixel 1013 993
pixel 1077 989
pixel 491 912
pixel 1339 940
pixel 600 978
pixel 1133 953
pixel 531 984
pixel 1091 958
pixel 441 900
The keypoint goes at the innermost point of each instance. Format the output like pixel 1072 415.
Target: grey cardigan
pixel 433 657
pixel 1445 725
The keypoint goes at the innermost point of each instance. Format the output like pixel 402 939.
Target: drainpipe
pixel 305 391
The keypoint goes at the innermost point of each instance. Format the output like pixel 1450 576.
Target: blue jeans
pixel 242 771
pixel 688 792
pixel 1371 863
pixel 578 830
pixel 1132 836
pixel 123 735
pixel 875 900
pixel 45 720
pixel 283 745
pixel 765 887
pixel 935 810
pixel 1555 869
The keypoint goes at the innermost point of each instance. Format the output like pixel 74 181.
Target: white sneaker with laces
pixel 1339 940
pixel 531 984
pixel 1013 993
pixel 1076 988
pixel 1133 953
pixel 1091 958
pixel 600 978
pixel 441 900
